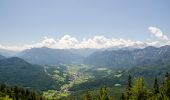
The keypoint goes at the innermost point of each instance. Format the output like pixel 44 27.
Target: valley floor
pixel 72 75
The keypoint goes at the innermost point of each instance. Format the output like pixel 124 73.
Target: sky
pixel 83 23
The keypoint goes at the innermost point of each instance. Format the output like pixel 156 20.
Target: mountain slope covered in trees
pixel 136 90
pixel 18 93
pixel 16 71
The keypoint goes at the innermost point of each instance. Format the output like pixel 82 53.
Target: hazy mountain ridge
pixel 128 58
pixel 84 51
pixel 49 56
pixel 2 57
pixel 7 53
pixel 124 57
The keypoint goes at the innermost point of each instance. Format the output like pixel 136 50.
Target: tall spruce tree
pixel 139 90
pixel 122 97
pixel 129 82
pixel 165 88
pixel 128 90
pixel 88 96
pixel 155 86
pixel 104 94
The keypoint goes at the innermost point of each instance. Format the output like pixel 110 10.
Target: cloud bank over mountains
pixel 97 42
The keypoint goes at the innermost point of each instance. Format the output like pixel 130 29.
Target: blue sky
pixel 25 21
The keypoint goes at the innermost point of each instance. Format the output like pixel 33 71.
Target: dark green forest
pixel 137 90
pixel 18 93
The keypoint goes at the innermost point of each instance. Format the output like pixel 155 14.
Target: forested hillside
pixel 18 93
pixel 136 89
pixel 16 71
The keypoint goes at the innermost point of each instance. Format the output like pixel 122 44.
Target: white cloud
pixel 67 42
pixel 98 42
pixel 48 41
pixel 158 33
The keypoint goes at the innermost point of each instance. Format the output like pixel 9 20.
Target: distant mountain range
pixel 112 57
pixel 129 58
pixel 16 71
pixel 116 58
pixel 49 56
pixel 149 61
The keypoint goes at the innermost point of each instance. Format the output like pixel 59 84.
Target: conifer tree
pixel 139 90
pixel 155 87
pixel 104 94
pixel 128 91
pixel 167 75
pixel 129 82
pixel 88 96
pixel 165 88
pixel 2 87
pixel 16 93
pixel 122 97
